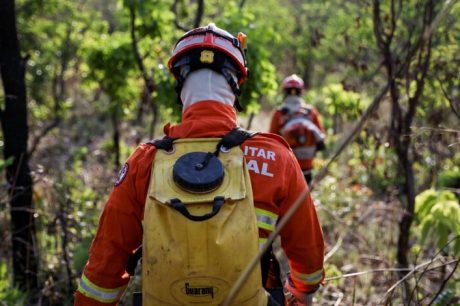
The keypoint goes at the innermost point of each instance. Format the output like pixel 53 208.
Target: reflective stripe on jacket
pixel 276 181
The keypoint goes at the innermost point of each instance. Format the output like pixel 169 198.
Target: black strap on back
pixel 165 143
pixel 233 138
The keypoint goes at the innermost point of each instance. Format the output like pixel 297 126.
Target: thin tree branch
pixel 378 31
pixel 177 23
pixel 43 133
pixel 140 63
pixel 59 91
pixel 348 138
pixel 393 19
pixel 148 80
pixel 256 260
pixel 199 13
pixel 65 241
pixel 437 253
pixel 429 30
pixel 412 271
pixel 423 63
pixel 444 283
pixel 426 265
pixel 449 99
pixel 241 5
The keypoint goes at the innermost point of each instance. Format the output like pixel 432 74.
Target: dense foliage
pixel 98 84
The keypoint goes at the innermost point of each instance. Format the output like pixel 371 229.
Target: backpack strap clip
pixel 165 143
pixel 232 139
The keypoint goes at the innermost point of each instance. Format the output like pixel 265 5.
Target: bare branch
pixel 241 5
pixel 449 99
pixel 59 91
pixel 429 31
pixel 199 13
pixel 392 23
pixel 140 63
pixel 444 283
pixel 423 62
pixel 412 271
pixel 177 23
pixel 55 123
pixel 148 80
pixel 426 268
pixel 378 31
pixel 424 265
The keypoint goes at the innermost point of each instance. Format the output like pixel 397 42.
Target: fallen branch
pixel 436 254
pixel 412 271
pixel 444 283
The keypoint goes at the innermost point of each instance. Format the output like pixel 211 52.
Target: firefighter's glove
pixel 295 297
pixel 320 146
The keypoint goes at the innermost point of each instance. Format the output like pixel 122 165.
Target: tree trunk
pixel 406 221
pixel 15 134
pixel 116 138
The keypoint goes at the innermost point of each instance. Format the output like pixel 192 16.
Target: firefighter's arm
pixel 119 233
pixel 320 145
pixel 316 120
pixel 275 123
pixel 302 237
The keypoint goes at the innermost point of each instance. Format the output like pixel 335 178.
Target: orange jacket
pixel 276 181
pixel 278 121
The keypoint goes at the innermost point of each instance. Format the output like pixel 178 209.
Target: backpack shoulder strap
pixel 165 143
pixel 234 138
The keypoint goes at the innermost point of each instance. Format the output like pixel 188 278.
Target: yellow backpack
pixel 200 228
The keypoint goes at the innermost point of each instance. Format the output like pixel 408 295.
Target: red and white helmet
pixel 293 84
pixel 212 48
pixel 207 43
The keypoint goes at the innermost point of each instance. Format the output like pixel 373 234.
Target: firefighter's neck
pixel 206 85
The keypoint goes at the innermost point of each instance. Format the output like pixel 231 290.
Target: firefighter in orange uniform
pixel 209 65
pixel 299 124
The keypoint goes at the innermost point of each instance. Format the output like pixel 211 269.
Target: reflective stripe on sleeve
pixel 262 242
pixel 304 152
pixel 309 279
pixel 266 219
pixel 103 295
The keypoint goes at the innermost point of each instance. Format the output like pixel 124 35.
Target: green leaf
pixel 5 163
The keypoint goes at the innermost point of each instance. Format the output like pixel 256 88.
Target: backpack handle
pixel 180 207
